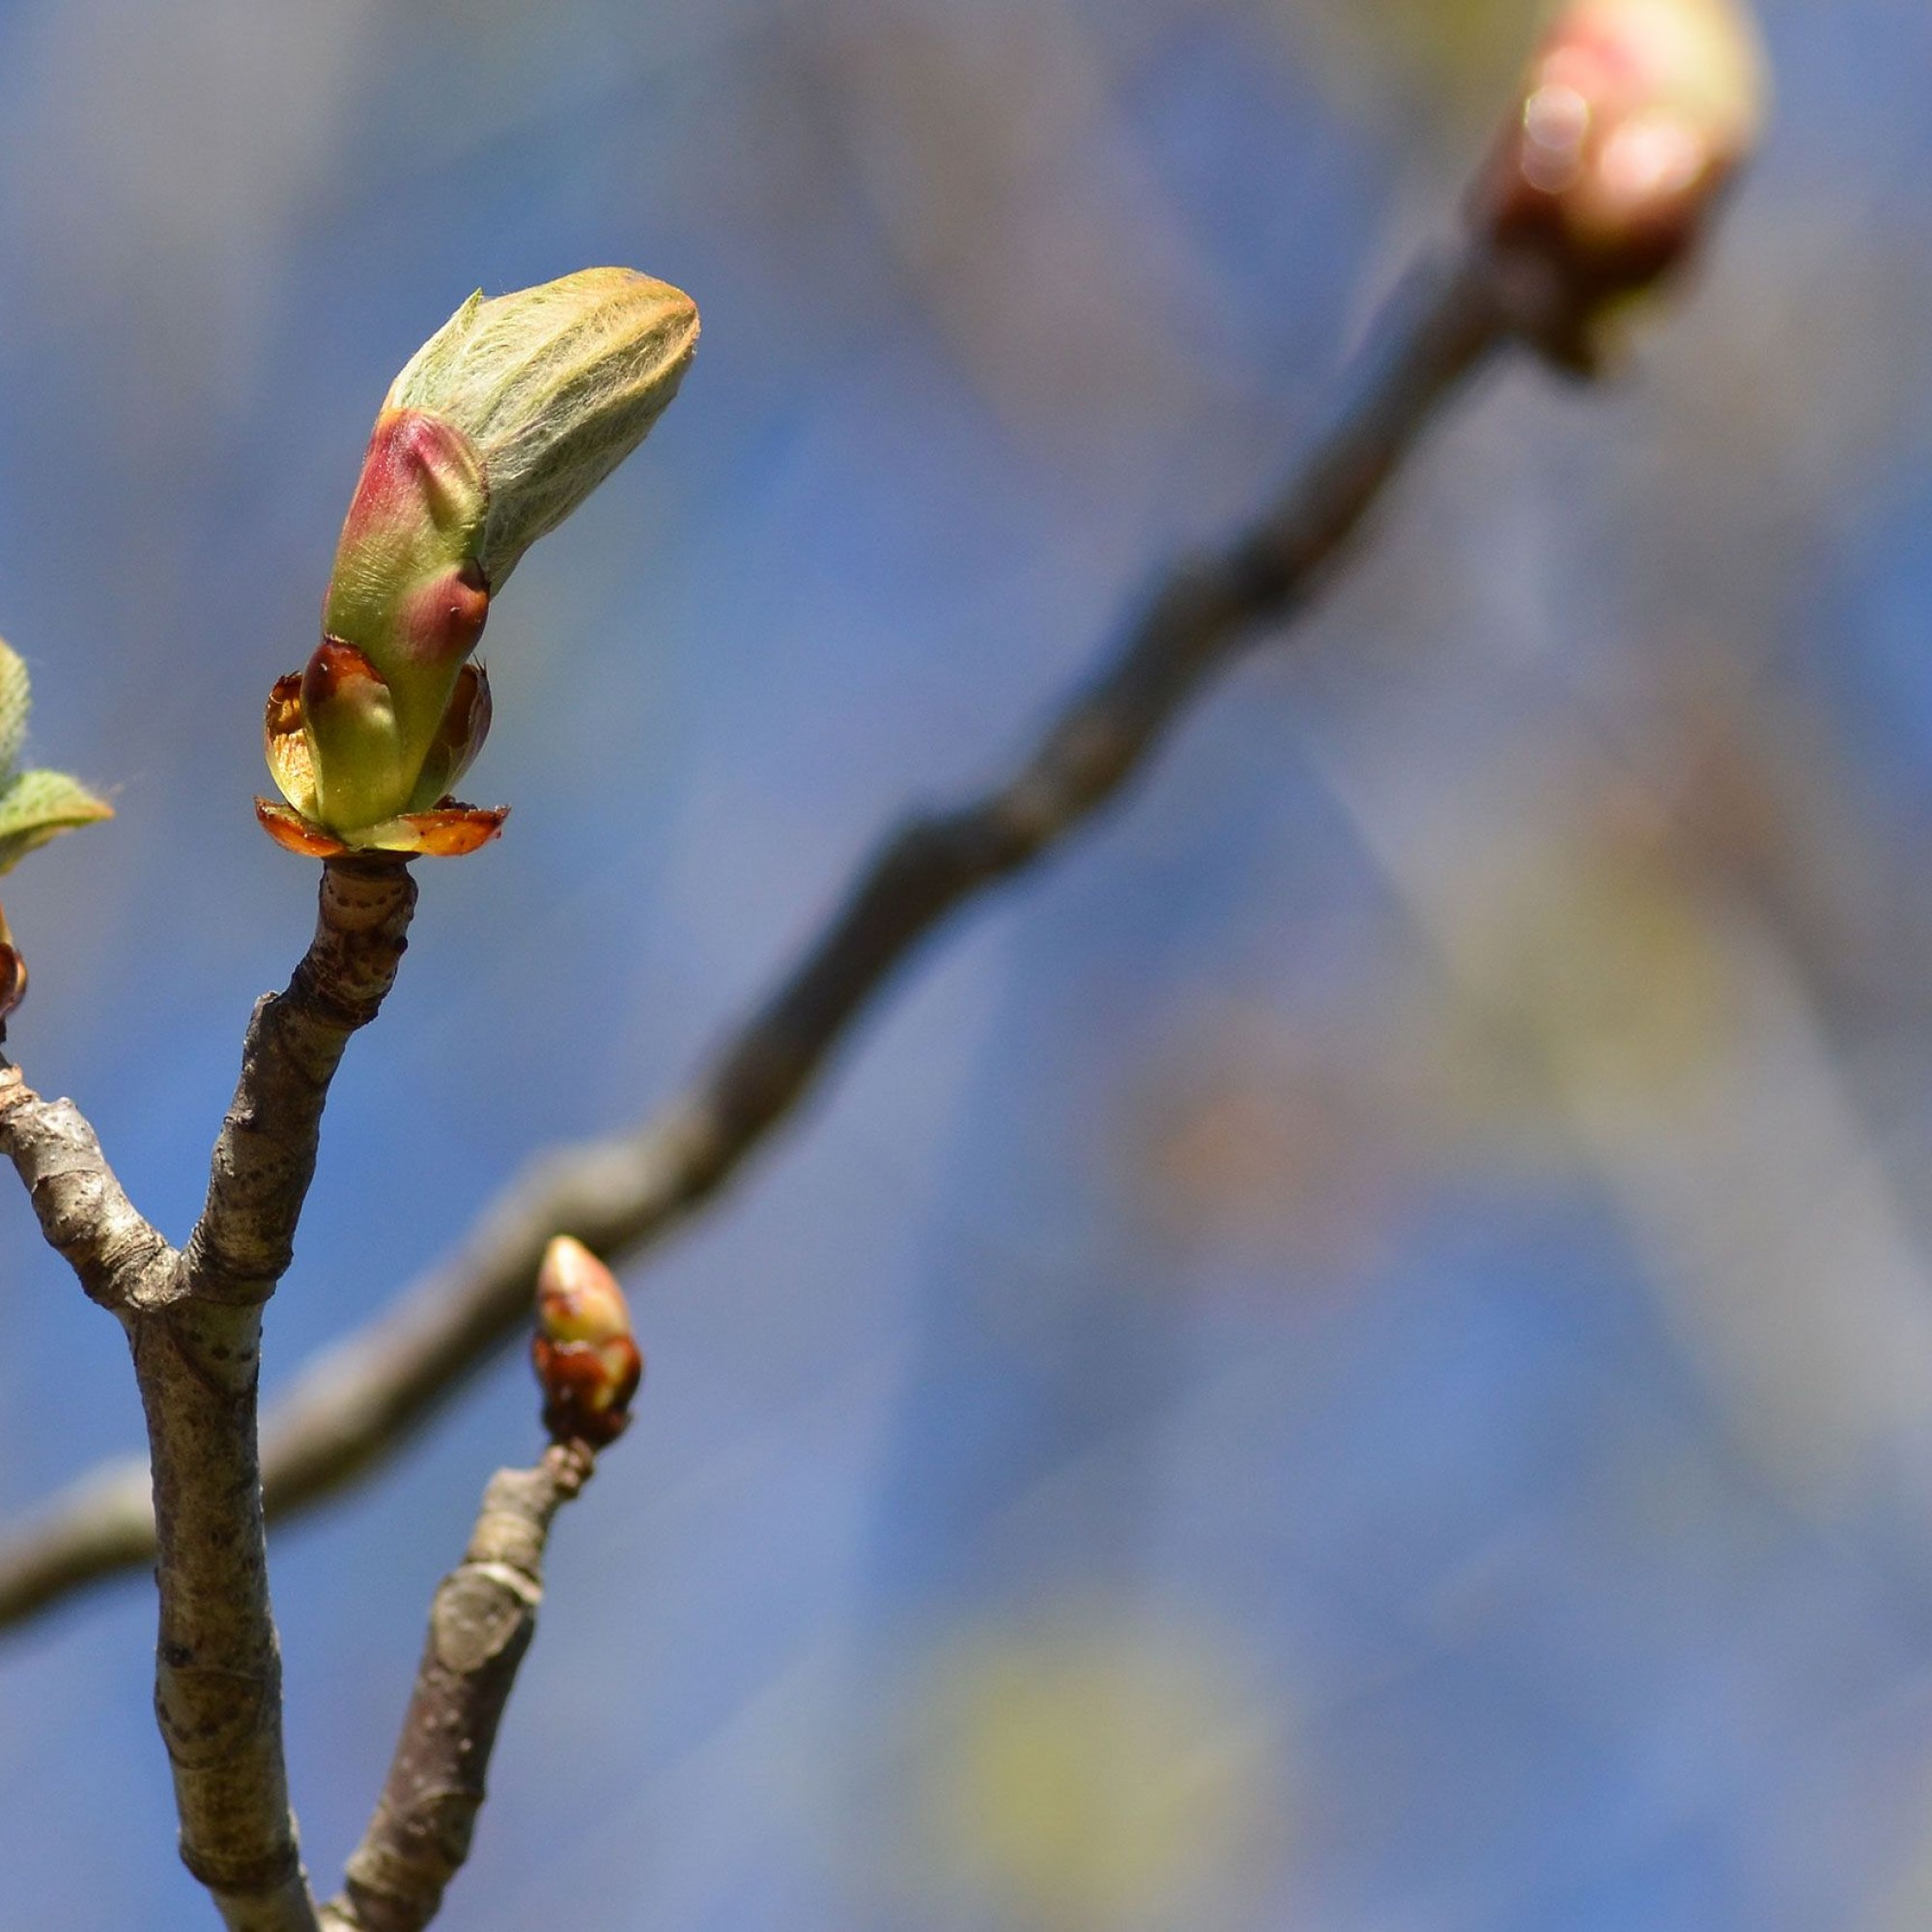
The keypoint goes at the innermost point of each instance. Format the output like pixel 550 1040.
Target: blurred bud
pixel 585 1356
pixel 498 428
pixel 34 806
pixel 1635 115
pixel 554 387
pixel 15 699
pixel 12 975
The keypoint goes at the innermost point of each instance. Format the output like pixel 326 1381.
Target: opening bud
pixel 585 1356
pixel 496 430
pixel 1634 117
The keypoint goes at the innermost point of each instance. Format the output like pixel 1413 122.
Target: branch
pixel 480 1625
pixel 193 1322
pixel 83 1210
pixel 219 1678
pixel 586 1358
pixel 359 1400
pixel 265 1159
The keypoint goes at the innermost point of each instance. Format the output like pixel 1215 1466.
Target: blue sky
pixel 1364 1335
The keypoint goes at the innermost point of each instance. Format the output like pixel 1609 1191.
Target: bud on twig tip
pixel 505 420
pixel 1633 120
pixel 585 1356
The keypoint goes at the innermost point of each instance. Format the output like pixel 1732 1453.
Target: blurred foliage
pixel 1087 1775
pixel 1450 61
pixel 1244 1132
pixel 34 806
pixel 1599 946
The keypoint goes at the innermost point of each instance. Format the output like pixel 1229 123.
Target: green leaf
pixel 37 806
pixel 14 699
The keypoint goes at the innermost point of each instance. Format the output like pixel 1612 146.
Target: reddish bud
pixel 493 432
pixel 415 520
pixel 12 975
pixel 405 605
pixel 1634 117
pixel 586 1357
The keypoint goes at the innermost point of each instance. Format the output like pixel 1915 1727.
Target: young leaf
pixel 34 806
pixel 13 701
pixel 37 806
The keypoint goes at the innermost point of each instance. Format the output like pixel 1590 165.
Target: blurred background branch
pixel 1224 1448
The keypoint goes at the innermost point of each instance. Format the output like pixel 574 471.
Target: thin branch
pixel 265 1159
pixel 480 1625
pixel 100 1525
pixel 359 1401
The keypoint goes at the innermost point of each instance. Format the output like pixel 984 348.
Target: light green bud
pixel 554 387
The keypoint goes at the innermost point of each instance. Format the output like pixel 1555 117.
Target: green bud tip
pixel 554 387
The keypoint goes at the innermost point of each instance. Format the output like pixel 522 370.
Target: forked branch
pixel 193 1322
pixel 359 1401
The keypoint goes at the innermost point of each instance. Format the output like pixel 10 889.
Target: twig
pixel 265 1159
pixel 480 1625
pixel 193 1322
pixel 587 1361
pixel 85 1214
pixel 359 1400
pixel 218 1679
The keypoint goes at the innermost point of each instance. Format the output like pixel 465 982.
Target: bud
pixel 1635 116
pixel 354 746
pixel 12 975
pixel 585 1356
pixel 554 387
pixel 498 428
pixel 466 724
pixel 16 701
pixel 338 702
